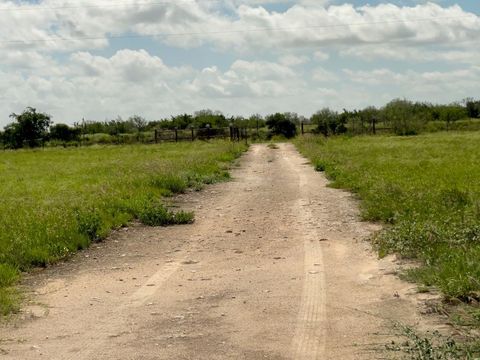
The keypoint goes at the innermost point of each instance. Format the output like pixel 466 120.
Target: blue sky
pixel 237 56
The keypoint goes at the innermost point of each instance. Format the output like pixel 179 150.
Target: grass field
pixel 56 201
pixel 427 189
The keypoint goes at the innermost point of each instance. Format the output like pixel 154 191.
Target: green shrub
pixel 281 124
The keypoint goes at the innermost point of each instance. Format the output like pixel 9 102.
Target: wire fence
pixel 192 134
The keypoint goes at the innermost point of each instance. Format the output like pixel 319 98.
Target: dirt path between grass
pixel 275 267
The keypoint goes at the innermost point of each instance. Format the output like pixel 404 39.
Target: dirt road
pixel 273 268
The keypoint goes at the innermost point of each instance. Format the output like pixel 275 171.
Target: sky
pixel 99 59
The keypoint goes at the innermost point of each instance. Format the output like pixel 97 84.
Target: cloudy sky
pixel 97 59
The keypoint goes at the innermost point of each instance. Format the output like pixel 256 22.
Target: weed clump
pixel 9 301
pixel 432 346
pixel 8 275
pixel 173 184
pixel 156 214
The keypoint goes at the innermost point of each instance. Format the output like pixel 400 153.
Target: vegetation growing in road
pixel 426 188
pixel 57 201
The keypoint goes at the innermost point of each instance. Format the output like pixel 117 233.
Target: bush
pixel 64 133
pixel 280 124
pixel 404 118
pixel 328 122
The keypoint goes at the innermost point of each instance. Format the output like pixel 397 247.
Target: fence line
pixel 192 134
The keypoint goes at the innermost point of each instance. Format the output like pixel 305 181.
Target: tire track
pixel 310 335
pixel 117 319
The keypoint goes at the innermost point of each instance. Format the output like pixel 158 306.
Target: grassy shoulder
pixel 57 201
pixel 426 189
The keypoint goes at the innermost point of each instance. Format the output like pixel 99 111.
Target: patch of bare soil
pixel 275 267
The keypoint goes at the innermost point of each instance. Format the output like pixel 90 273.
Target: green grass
pixel 156 214
pixel 57 201
pixel 426 188
pixel 430 346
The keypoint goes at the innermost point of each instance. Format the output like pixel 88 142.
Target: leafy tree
pixel 473 108
pixel 138 122
pixel 293 117
pixel 182 121
pixel 404 117
pixel 29 129
pixel 119 126
pixel 281 124
pixel 256 121
pixel 452 113
pixel 328 122
pixel 63 132
pixel 214 119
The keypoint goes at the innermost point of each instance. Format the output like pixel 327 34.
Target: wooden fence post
pixel 303 131
pixel 176 135
pixel 156 136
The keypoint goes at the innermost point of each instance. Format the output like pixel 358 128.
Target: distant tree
pixel 255 121
pixel 473 108
pixel 93 127
pixel 368 119
pixel 138 122
pixel 328 122
pixel 293 117
pixel 214 119
pixel 29 129
pixel 119 126
pixel 10 137
pixel 65 133
pixel 406 117
pixel 182 121
pixel 280 124
pixel 451 113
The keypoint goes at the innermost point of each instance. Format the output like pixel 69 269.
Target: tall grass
pixel 56 201
pixel 426 188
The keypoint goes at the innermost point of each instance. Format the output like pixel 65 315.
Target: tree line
pixel 401 117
